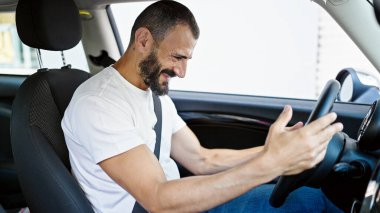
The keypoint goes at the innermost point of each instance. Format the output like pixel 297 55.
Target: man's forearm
pixel 195 194
pixel 218 160
pixel 187 150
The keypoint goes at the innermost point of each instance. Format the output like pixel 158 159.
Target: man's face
pixel 168 59
pixel 150 71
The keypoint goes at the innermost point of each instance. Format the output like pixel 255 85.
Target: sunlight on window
pixel 268 48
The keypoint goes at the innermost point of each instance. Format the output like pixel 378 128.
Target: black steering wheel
pixel 313 176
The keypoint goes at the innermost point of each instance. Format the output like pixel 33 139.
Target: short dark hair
pixel 160 17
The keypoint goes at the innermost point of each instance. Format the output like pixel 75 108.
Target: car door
pixel 10 192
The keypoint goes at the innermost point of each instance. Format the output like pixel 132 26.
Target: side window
pixel 19 59
pixel 15 57
pixel 266 48
pixel 336 51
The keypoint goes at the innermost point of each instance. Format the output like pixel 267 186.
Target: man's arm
pixel 187 150
pixel 285 152
pixel 140 173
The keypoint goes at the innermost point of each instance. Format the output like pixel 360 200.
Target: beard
pixel 150 72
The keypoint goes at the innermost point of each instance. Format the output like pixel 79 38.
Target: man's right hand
pixel 295 149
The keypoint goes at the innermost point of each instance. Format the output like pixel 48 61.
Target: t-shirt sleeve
pixel 104 128
pixel 177 122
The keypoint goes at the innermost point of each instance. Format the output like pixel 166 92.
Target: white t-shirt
pixel 106 117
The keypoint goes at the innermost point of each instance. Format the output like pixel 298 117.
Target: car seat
pixel 39 149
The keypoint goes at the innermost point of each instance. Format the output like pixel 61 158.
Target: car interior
pixel 34 164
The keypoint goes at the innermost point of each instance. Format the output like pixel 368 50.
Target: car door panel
pixel 10 191
pixel 8 88
pixel 226 131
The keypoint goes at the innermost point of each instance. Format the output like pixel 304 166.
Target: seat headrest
pixel 48 24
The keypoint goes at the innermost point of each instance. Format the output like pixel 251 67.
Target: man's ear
pixel 143 40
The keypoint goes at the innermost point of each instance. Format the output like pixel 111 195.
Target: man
pixel 109 132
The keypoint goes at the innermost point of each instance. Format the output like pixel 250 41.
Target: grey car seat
pixel 39 149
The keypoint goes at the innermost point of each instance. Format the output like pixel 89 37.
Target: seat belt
pixel 158 126
pixel 137 208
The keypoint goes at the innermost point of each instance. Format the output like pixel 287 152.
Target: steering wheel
pixel 313 176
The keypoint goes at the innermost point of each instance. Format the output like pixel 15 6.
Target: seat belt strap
pixel 137 208
pixel 158 126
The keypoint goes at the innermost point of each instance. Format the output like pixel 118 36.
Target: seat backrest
pixel 39 149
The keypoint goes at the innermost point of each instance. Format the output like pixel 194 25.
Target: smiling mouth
pixel 169 72
pixel 166 76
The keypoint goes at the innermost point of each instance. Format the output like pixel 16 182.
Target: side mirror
pixel 353 90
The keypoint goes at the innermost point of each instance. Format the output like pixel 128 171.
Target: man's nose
pixel 180 69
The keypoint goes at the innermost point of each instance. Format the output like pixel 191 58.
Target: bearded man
pixel 109 131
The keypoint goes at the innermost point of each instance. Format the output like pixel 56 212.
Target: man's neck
pixel 128 67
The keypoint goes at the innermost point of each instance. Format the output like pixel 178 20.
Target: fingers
pixel 295 126
pixel 329 131
pixel 321 123
pixel 284 118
